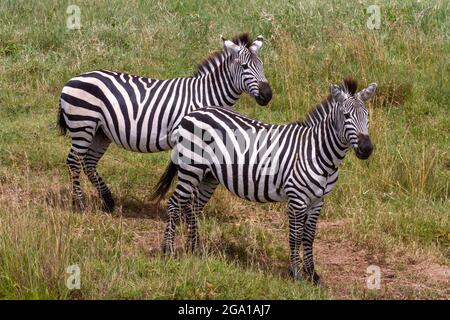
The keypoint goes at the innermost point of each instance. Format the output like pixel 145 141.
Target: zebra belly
pixel 138 139
pixel 259 188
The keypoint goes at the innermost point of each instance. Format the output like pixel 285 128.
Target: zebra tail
pixel 164 182
pixel 61 121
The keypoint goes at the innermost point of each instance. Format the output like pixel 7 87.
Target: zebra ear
pixel 230 45
pixel 368 92
pixel 257 44
pixel 336 93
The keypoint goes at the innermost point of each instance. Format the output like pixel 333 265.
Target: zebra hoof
pixel 295 274
pixel 78 205
pixel 192 245
pixel 168 250
pixel 108 203
pixel 192 249
pixel 314 278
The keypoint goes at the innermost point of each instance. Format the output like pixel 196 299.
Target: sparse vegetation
pixel 392 211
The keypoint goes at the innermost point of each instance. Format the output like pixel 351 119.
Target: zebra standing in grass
pixel 260 162
pixel 139 114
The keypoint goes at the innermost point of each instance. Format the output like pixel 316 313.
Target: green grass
pixel 398 201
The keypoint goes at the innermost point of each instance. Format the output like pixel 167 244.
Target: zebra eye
pixel 244 66
pixel 347 115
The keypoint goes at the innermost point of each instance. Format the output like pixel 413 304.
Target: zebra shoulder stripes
pixel 297 163
pixel 139 113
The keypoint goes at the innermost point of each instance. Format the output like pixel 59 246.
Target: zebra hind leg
pixel 190 218
pixel 180 203
pixel 96 150
pixel 82 136
pixel 201 197
pixel 173 218
pixel 74 162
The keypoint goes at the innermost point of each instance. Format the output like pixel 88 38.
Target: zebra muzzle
pixel 365 147
pixel 265 93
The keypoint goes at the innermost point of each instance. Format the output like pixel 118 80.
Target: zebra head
pixel 247 68
pixel 353 117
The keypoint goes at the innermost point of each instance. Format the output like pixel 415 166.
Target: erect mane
pixel 217 57
pixel 319 112
pixel 242 40
pixel 349 85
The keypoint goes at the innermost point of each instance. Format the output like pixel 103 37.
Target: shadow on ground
pixel 138 209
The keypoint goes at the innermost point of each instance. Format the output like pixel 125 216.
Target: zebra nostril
pixel 365 147
pixel 265 91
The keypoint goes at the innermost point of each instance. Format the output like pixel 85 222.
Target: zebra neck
pixel 217 88
pixel 333 149
pixel 320 146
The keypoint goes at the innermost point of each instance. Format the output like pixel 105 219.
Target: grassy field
pixel 392 211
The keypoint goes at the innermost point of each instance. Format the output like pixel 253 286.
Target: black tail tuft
pixel 164 182
pixel 61 121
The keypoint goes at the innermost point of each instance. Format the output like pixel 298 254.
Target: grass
pixel 397 202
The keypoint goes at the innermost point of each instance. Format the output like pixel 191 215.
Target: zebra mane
pixel 319 112
pixel 217 57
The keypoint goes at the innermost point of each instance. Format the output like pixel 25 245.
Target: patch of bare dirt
pixel 344 270
pixel 342 264
pixel 434 272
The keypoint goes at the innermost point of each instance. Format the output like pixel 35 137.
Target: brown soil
pixel 341 263
pixel 343 266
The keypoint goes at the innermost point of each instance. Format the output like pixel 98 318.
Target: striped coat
pixel 297 163
pixel 140 114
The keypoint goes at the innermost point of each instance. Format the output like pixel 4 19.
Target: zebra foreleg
pixel 309 234
pixel 297 214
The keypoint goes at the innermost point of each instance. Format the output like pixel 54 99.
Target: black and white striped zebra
pixel 139 113
pixel 297 162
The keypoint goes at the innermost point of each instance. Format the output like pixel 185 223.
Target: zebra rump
pixel 61 121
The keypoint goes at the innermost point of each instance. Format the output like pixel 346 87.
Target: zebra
pixel 139 114
pixel 297 163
